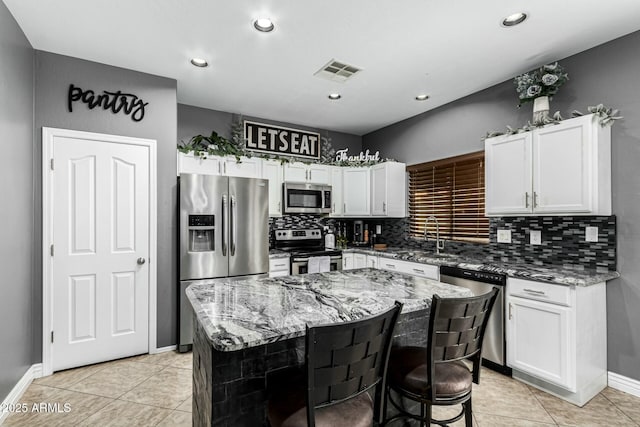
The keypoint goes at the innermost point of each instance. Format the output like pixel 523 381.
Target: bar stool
pixel 438 374
pixel 343 363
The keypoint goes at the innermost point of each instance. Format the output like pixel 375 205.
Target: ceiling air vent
pixel 337 71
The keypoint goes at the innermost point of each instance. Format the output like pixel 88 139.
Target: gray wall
pixel 201 121
pixel 16 190
pixel 606 74
pixel 54 73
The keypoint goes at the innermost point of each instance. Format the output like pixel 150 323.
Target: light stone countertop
pixel 551 274
pixel 237 314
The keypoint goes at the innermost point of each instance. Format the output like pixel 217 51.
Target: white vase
pixel 540 109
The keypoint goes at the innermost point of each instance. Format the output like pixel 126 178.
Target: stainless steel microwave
pixel 306 198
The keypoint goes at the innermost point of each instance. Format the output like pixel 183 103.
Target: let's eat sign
pixel 281 140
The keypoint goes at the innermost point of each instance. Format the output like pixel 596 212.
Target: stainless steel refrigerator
pixel 224 223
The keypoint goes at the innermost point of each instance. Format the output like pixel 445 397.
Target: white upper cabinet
pixel 388 189
pixel 272 170
pixel 337 199
pixel 247 167
pixel 355 186
pixel 556 170
pixel 312 173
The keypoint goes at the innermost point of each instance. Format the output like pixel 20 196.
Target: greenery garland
pixel 606 117
pixel 216 145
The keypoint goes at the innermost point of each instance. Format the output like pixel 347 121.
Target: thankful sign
pixel 281 140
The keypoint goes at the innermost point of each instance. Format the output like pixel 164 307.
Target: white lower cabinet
pixel 556 337
pixel 347 261
pixel 278 267
pixel 359 261
pixel 372 261
pixel 413 268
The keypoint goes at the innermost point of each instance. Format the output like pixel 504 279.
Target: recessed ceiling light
pixel 199 62
pixel 514 19
pixel 422 97
pixel 334 96
pixel 263 24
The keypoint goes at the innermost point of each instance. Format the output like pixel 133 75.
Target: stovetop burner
pixel 302 242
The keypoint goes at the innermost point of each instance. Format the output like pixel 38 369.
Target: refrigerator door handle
pixel 234 226
pixel 224 225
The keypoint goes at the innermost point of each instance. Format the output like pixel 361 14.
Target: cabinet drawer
pixel 547 292
pixel 418 269
pixel 388 264
pixel 279 264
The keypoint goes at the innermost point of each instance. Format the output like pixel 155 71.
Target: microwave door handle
pixel 224 225
pixel 234 225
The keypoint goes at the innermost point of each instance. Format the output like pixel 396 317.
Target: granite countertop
pixel 276 253
pixel 237 314
pixel 551 274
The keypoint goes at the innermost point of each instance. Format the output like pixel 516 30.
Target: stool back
pixel 347 359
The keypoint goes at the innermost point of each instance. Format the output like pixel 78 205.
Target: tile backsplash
pixel 563 241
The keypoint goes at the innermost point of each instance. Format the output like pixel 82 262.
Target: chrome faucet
pixel 439 243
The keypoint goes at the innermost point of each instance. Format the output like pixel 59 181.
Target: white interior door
pixel 100 230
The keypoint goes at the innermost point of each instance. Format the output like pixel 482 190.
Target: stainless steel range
pixel 303 245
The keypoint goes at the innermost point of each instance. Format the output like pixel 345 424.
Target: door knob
pixel 141 261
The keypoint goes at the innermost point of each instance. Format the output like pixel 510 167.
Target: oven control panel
pixel 298 234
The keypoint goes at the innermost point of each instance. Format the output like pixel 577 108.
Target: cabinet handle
pixel 390 265
pixel 384 207
pixel 345 208
pixel 418 270
pixel 219 169
pixel 225 168
pixel 535 199
pixel 526 199
pixel 306 175
pixel 279 265
pixel 334 208
pixel 510 306
pixel 533 291
pixel 279 206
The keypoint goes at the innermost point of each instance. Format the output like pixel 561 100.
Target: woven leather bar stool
pixel 438 374
pixel 343 363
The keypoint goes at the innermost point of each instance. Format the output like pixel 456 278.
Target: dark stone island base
pixel 229 387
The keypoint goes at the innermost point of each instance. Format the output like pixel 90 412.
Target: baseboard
pixel 164 349
pixel 35 371
pixel 622 383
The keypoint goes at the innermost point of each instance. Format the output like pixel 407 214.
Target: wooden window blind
pixel 452 190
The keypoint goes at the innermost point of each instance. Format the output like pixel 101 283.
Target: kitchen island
pixel 247 328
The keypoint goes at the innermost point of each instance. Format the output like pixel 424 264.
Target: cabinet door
pixel 356 191
pixel 188 163
pixel 347 261
pixel 247 167
pixel 372 261
pixel 379 190
pixel 508 174
pixel 318 174
pixel 561 167
pixel 296 172
pixel 539 341
pixel 359 261
pixel 272 170
pixel 336 191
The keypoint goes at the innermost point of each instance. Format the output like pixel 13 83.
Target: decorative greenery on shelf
pixel 213 145
pixel 606 117
pixel 543 81
pixel 217 145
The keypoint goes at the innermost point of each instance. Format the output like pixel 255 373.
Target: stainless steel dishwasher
pixel 494 349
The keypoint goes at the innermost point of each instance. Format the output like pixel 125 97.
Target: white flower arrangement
pixel 543 81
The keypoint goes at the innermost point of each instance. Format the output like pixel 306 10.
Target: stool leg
pixel 468 414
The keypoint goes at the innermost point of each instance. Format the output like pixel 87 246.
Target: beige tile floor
pixel 155 390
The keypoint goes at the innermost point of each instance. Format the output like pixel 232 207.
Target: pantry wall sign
pixel 280 140
pixel 114 101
